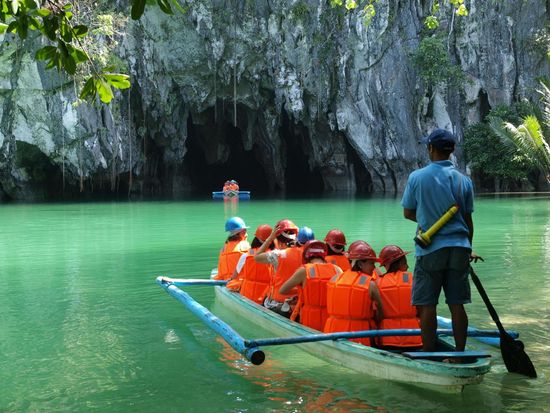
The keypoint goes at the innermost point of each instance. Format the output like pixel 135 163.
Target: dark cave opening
pixel 240 164
pixel 363 178
pixel 484 105
pixel 299 178
pixel 44 175
pixel 244 165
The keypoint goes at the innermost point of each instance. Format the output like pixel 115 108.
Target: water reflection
pixel 290 389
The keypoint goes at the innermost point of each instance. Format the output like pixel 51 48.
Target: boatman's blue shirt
pixel 431 191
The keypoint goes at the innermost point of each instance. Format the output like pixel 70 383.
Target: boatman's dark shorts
pixel 446 268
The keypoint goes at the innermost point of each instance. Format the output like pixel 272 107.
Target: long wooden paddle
pixel 513 353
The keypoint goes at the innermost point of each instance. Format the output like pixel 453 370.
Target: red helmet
pixel 335 237
pixel 287 228
pixel 360 250
pixel 390 254
pixel 314 248
pixel 262 232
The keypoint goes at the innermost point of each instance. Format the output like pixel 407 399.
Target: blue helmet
pixel 234 225
pixel 305 234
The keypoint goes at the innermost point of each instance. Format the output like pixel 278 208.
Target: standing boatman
pixel 444 262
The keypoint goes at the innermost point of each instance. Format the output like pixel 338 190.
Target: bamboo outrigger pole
pixel 254 354
pixel 249 348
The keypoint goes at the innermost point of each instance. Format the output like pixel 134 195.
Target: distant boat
pixel 231 194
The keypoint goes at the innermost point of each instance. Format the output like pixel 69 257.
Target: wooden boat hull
pixel 241 195
pixel 374 362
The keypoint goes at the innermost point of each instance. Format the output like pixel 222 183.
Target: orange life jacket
pixel 339 260
pixel 285 268
pixel 229 257
pixel 395 291
pixel 349 305
pixel 312 299
pixel 256 278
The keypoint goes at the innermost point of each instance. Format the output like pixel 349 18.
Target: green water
pixel 84 327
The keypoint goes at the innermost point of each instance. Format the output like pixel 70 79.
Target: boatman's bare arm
pixel 409 214
pixel 470 223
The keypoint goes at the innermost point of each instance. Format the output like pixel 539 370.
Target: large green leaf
pixel 14 6
pixel 138 7
pixel 79 55
pixel 104 90
pixel 51 24
pixel 80 30
pixel 65 31
pixel 3 28
pixel 45 53
pixel 69 64
pixel 31 4
pixel 118 80
pixel 23 26
pixel 165 6
pixel 13 27
pixel 179 7
pixel 89 90
pixel 34 24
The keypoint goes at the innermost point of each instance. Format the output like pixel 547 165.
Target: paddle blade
pixel 515 358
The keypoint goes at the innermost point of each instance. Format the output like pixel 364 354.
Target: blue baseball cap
pixel 441 139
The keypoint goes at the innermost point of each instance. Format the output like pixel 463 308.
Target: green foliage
pixel 167 6
pixel 434 64
pixel 458 7
pixel 368 13
pixel 529 136
pixel 487 155
pixel 300 10
pixel 431 22
pixel 66 51
pixel 102 85
pixel 539 42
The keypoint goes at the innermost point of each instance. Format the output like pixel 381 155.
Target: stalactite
pixel 215 90
pixel 234 94
pixel 235 65
pixel 113 169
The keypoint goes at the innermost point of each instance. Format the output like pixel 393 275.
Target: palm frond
pixel 528 138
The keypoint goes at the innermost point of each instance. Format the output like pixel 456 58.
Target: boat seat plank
pixel 440 355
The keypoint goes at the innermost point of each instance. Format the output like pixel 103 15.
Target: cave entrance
pixel 299 179
pixel 207 175
pixel 363 179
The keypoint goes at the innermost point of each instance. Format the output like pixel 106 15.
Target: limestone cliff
pixel 281 95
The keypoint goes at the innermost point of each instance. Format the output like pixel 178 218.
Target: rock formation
pixel 290 96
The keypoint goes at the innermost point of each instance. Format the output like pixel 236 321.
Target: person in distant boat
pixel 444 263
pixel 250 278
pixel 311 279
pixel 353 299
pixel 235 246
pixel 226 186
pixel 230 185
pixel 305 234
pixel 395 288
pixel 285 259
pixel 336 242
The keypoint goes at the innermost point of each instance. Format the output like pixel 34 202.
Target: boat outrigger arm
pixel 250 348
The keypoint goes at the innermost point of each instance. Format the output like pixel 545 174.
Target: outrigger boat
pixel 413 367
pixel 231 194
